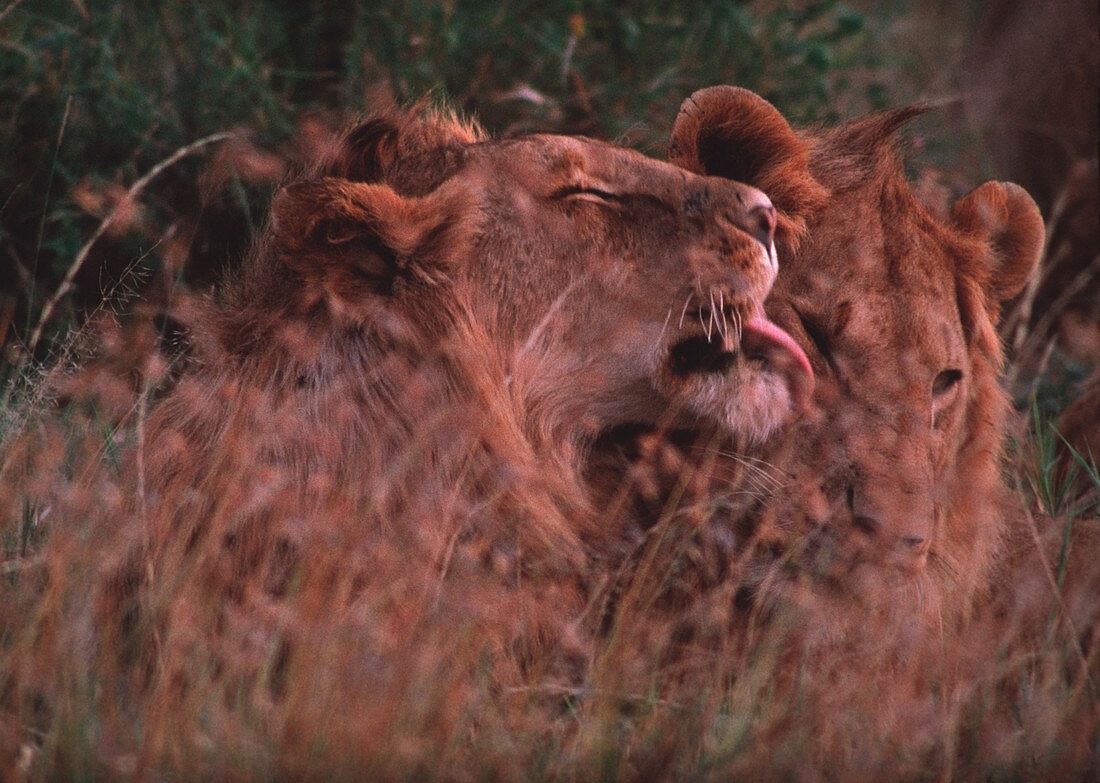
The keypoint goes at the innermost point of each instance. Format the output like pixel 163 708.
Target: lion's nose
pixel 761 223
pixel 906 551
pixel 751 211
pixel 892 532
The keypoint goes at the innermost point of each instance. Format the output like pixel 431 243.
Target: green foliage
pixel 1055 472
pixel 93 95
pixel 1051 486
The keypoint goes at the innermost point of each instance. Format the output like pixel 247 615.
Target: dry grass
pixel 379 625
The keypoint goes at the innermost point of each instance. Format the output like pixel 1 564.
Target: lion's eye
pixel 587 193
pixel 815 332
pixel 944 388
pixel 945 382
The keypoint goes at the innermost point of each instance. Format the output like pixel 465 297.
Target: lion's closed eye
pixel 586 192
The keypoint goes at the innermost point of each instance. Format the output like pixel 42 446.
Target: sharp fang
pixel 684 312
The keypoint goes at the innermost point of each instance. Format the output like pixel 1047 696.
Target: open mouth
pixel 726 341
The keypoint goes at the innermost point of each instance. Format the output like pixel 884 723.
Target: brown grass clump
pixel 338 638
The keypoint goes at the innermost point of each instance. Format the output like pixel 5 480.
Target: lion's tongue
pixel 760 337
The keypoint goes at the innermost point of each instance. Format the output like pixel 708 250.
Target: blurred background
pixel 95 96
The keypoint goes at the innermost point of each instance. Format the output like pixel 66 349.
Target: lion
pixel 366 472
pixel 892 478
pixel 436 317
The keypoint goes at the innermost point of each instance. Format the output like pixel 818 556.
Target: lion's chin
pixel 763 341
pixel 750 386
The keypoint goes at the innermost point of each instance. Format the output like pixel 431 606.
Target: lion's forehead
pixel 543 161
pixel 905 311
pixel 903 342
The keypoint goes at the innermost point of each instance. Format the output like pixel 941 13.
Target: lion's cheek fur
pixel 760 406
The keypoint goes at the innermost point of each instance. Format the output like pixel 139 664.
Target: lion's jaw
pixel 744 373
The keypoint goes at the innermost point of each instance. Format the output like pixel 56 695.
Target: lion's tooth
pixel 730 343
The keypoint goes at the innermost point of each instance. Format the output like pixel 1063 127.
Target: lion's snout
pixel 745 211
pixel 898 527
pixel 754 215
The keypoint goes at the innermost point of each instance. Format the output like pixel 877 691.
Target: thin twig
pixel 131 194
pixel 552 689
pixel 11 7
pixel 1056 592
pixel 1037 337
pixel 46 206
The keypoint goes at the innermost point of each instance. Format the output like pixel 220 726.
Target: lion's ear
pixel 368 150
pixel 335 225
pixel 1005 219
pixel 734 133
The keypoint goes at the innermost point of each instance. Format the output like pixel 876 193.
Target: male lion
pixel 435 318
pixel 897 461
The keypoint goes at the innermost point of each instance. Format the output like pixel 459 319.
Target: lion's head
pixel 897 461
pixel 424 293
pixel 637 287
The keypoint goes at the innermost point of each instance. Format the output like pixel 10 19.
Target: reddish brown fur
pixel 897 462
pixel 473 312
pixel 295 613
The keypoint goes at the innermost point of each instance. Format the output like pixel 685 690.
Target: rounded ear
pixel 734 133
pixel 368 150
pixel 1005 219
pixel 332 226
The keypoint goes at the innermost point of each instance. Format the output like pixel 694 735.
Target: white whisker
pixel 664 328
pixel 762 471
pixel 684 312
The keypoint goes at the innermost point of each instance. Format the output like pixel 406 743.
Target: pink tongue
pixel 777 348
